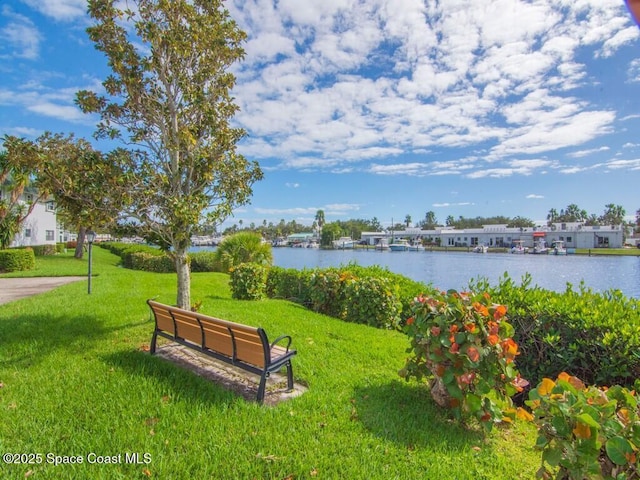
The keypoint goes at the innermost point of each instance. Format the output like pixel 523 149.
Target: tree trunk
pixel 80 243
pixel 183 271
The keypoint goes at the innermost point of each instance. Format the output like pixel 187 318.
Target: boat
pixel 558 248
pixel 519 247
pixel 382 244
pixel 482 248
pixel 344 243
pixel 416 248
pixel 540 247
pixel 399 246
pixel 280 242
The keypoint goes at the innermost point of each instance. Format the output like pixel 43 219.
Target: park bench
pixel 240 345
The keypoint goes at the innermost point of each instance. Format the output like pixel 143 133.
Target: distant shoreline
pixel 591 252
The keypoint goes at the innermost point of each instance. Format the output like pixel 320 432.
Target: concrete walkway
pixel 14 288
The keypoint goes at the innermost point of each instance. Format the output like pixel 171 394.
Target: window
pixel 27 232
pixel 50 235
pixel 51 206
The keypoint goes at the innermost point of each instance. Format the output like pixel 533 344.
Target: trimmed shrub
pixel 290 284
pixel 60 246
pixel 127 255
pixel 17 259
pixel 204 262
pixel 326 292
pixel 373 301
pixel 248 281
pixel 43 250
pixel 150 263
pixel 593 336
pixel 407 289
pixel 370 295
pixel 141 257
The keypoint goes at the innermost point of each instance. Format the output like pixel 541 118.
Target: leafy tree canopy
pixel 169 95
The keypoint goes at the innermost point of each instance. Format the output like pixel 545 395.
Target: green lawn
pixel 75 381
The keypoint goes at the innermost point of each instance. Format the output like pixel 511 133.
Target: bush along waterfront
pixel 463 343
pixel 593 336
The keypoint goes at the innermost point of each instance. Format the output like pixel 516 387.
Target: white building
pixel 574 235
pixel 40 227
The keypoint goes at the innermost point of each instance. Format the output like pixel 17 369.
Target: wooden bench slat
pixel 241 345
pixel 219 343
pixel 165 321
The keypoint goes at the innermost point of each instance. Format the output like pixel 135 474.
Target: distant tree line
pixel 612 215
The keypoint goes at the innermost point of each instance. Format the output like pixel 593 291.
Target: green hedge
pixel 593 336
pixel 149 262
pixel 289 284
pixel 248 281
pixel 204 262
pixel 369 295
pixel 17 259
pixel 40 250
pixel 136 256
pixel 43 250
pixel 152 259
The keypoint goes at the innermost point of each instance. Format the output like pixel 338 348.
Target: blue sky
pixel 381 108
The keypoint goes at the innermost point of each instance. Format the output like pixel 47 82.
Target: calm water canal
pixel 454 269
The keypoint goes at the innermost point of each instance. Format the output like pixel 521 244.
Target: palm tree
pixel 320 220
pixel 613 215
pixel 243 247
pixel 407 221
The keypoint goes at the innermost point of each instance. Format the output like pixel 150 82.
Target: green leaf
pixel 588 420
pixel 541 441
pixel 552 456
pixel 506 330
pixel 617 448
pixel 474 402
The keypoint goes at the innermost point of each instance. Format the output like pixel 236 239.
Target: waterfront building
pixel 41 226
pixel 574 235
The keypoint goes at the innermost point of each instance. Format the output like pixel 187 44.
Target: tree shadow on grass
pixel 29 338
pixel 405 414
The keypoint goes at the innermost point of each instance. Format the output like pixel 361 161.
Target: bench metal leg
pixel 262 387
pixel 154 338
pixel 289 376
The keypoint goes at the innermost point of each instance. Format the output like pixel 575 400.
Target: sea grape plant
pixel 585 432
pixel 463 343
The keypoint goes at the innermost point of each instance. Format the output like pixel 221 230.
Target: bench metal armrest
pixel 281 337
